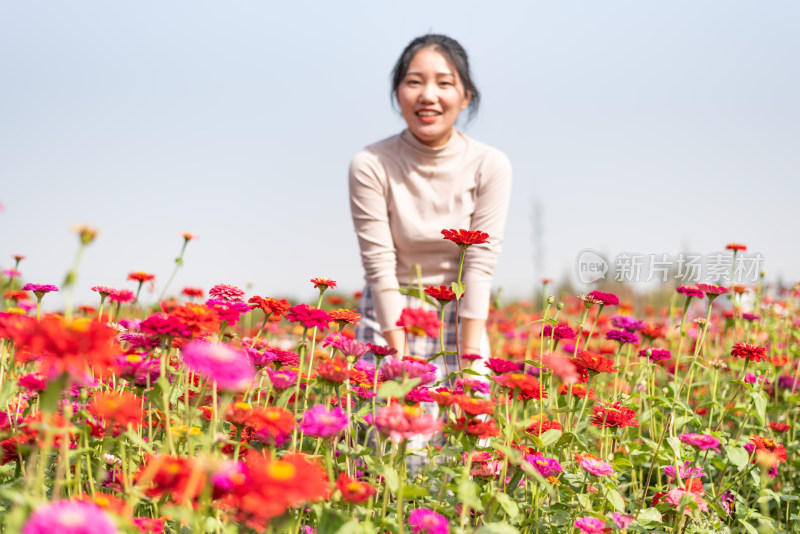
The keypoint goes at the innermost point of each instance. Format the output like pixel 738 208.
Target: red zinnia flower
pixel 779 427
pixel 141 276
pixel 769 446
pixel 419 322
pixel 334 371
pixel 442 293
pixel 754 353
pixel 577 389
pixel 613 415
pixel 540 424
pixel 473 406
pixel 192 292
pixel 475 427
pixel 273 421
pixel 122 296
pixel 735 246
pixel 589 364
pixel 465 238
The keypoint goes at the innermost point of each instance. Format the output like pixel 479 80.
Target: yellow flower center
pixel 281 470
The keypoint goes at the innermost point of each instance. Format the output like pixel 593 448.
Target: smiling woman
pixel 405 189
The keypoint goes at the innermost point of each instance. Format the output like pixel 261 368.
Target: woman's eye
pixel 412 82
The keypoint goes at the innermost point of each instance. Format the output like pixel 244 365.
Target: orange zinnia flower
pixel 141 276
pixel 334 371
pixel 473 406
pixel 199 317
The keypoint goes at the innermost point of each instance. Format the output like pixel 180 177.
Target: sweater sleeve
pixel 491 210
pixel 369 209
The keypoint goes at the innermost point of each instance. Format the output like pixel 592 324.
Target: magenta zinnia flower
pixel 655 354
pixel 161 324
pixel 228 310
pixel 561 331
pixel 122 296
pixel 701 441
pixel 628 323
pixel 39 289
pixel 608 299
pixel 690 291
pixel 590 525
pixel 622 336
pixel 230 368
pixel 712 291
pixel 347 346
pixel 427 521
pixel 685 471
pixel 69 517
pixel 309 316
pixel 321 423
pixel 547 467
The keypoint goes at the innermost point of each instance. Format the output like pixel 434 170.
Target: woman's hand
pixel 396 339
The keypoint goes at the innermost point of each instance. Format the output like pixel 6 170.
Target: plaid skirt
pixel 369 331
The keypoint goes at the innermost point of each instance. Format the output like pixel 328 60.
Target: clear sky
pixel 634 126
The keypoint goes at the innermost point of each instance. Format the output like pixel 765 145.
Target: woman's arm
pixel 368 206
pixel 491 209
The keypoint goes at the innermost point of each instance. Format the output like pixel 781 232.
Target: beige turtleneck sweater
pixel 404 193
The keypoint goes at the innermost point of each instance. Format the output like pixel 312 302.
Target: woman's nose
pixel 428 93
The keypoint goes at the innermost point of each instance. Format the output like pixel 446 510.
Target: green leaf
pixel 616 500
pixel 737 456
pixel 468 494
pixel 351 527
pixel 622 463
pixel 508 504
pixel 458 288
pixel 391 477
pixel 390 388
pixel 414 292
pixel 497 528
pixel 649 515
pixel 584 501
pixel 748 527
pixel 761 406
pixel 412 492
pixel 550 437
pixel 675 444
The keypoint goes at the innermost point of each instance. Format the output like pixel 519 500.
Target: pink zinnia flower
pixel 686 471
pixel 103 290
pixel 230 368
pixel 427 521
pixel 69 517
pixel 547 467
pixel 701 441
pixel 321 423
pixel 401 423
pixel 675 495
pixel 226 292
pixel 282 379
pixel 122 296
pixel 623 521
pixel 563 368
pixel 395 368
pixel 713 291
pixel 347 346
pixel 598 468
pixel 591 525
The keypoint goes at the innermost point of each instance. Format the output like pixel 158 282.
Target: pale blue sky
pixel 636 126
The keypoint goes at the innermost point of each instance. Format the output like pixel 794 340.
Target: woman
pixel 405 189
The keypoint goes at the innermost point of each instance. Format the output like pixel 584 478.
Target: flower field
pixel 218 411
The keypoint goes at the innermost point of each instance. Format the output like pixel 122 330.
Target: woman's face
pixel 431 96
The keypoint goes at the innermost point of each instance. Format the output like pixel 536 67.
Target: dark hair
pixel 450 49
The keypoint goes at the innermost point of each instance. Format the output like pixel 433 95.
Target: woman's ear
pixel 467 99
